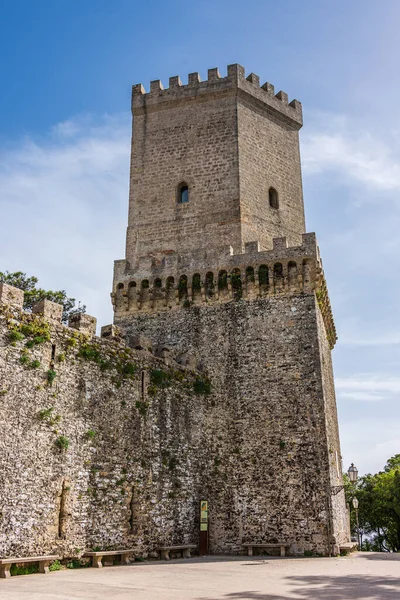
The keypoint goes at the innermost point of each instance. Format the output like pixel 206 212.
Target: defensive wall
pixel 100 444
pixel 105 445
pixel 260 324
pixel 217 275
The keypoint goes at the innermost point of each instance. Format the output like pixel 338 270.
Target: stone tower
pixel 219 271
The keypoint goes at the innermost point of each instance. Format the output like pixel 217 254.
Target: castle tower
pixel 219 269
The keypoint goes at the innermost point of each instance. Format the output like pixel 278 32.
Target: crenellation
pixel 213 74
pixel 11 295
pixel 138 89
pixel 280 244
pixel 252 247
pixel 283 97
pixel 296 105
pixel 156 86
pixel 194 78
pixel 175 81
pixel 84 323
pixel 215 84
pixel 254 79
pixel 50 310
pixel 269 88
pixel 235 72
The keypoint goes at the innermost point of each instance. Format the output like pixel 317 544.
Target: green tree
pixel 379 507
pixel 33 294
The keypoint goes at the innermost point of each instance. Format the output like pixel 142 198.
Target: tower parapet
pixel 218 276
pixel 235 82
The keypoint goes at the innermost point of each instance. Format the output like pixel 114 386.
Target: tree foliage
pixel 379 507
pixel 33 294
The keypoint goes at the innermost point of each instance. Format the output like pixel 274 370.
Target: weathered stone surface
pixel 11 296
pixel 230 141
pixel 84 323
pixel 104 444
pixel 130 476
pixel 230 281
pixel 272 435
pixel 49 310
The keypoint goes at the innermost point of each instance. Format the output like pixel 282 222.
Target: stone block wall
pixel 273 428
pixel 229 140
pixel 106 446
pixel 93 452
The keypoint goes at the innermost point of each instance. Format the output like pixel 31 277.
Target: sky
pixel 66 73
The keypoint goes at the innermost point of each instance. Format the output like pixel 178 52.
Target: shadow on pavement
pixel 359 587
pixel 380 555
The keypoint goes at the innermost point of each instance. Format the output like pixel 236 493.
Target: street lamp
pixel 355 504
pixel 352 473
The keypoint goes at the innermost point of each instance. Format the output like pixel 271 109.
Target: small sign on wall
pixel 203 527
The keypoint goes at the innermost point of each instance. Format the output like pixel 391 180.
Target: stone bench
pixel 348 547
pixel 44 562
pixel 281 545
pixel 98 556
pixel 165 550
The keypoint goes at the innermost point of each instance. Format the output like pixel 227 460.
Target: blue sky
pixel 66 71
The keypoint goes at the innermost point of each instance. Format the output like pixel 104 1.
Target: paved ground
pixel 364 576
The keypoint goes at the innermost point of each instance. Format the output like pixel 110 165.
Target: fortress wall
pixel 130 476
pixel 338 503
pixel 266 434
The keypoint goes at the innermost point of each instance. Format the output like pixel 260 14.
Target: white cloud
pixel 385 339
pixel 369 442
pixel 368 384
pixel 333 143
pixel 65 200
pixel 362 396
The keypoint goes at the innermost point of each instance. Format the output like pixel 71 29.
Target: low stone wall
pixel 100 445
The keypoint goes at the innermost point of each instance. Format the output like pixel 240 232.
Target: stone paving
pixel 362 576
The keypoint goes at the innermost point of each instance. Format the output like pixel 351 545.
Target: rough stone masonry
pixel 215 381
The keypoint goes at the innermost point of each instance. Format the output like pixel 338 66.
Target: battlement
pixel 217 275
pixel 11 306
pixel 235 82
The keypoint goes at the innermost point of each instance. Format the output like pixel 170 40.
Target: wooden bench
pixel 98 556
pixel 44 561
pixel 165 550
pixel 281 545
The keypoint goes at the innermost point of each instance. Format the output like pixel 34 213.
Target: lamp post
pixel 355 504
pixel 353 473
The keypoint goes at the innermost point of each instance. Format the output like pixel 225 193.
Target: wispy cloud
pixel 368 387
pixel 334 143
pixel 383 339
pixel 65 198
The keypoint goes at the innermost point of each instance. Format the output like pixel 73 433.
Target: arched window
pixel 183 193
pixel 145 284
pixel 222 280
pixel 236 280
pixel 273 198
pixel 249 274
pixel 182 287
pixel 157 283
pixel 132 289
pixel 209 284
pixel 196 282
